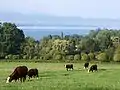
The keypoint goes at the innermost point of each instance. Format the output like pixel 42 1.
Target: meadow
pixel 53 76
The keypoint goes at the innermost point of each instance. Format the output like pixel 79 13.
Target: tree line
pixel 99 44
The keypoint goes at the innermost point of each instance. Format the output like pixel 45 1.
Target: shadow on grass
pixel 102 69
pixel 98 88
pixel 66 74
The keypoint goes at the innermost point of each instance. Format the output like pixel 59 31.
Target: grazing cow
pixel 93 68
pixel 69 66
pixel 20 72
pixel 33 73
pixel 86 65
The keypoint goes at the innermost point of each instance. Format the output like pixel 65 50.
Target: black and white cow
pixel 20 72
pixel 33 73
pixel 93 68
pixel 69 67
pixel 86 65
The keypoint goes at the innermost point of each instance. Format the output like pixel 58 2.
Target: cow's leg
pixel 34 76
pixel 67 69
pixel 24 78
pixel 92 70
pixel 15 80
pixel 37 76
pixel 21 79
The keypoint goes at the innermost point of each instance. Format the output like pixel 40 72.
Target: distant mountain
pixel 40 25
pixel 49 20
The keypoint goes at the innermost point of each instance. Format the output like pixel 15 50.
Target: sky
pixel 68 8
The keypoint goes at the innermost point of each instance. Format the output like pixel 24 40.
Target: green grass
pixel 53 76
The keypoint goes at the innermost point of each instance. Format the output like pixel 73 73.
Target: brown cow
pixel 20 72
pixel 33 73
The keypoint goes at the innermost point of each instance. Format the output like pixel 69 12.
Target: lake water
pixel 38 32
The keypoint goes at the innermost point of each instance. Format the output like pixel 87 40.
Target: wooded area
pixel 99 44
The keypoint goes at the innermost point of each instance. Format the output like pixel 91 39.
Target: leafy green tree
pixel 11 39
pixel 28 47
pixel 104 39
pixel 88 44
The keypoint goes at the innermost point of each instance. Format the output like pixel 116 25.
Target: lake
pixel 39 32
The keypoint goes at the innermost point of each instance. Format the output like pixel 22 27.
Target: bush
pixel 8 56
pixel 58 57
pixel 77 57
pixel 92 56
pixel 116 57
pixel 85 57
pixel 110 53
pixel 15 57
pixel 70 57
pixel 47 57
pixel 35 57
pixel 25 57
pixel 102 57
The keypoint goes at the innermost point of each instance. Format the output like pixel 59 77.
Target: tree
pixel 11 39
pixel 88 44
pixel 104 39
pixel 29 48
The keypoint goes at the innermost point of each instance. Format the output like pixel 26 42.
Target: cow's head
pixel 89 70
pixel 65 65
pixel 9 79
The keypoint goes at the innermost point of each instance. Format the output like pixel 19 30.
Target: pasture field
pixel 53 76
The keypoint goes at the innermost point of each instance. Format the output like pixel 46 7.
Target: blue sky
pixel 79 8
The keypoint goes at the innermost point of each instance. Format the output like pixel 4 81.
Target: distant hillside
pixel 48 20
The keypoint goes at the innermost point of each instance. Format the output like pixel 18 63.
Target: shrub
pixel 85 57
pixel 116 57
pixel 15 57
pixel 102 57
pixel 70 57
pixel 35 57
pixel 47 57
pixel 25 57
pixel 92 56
pixel 77 57
pixel 8 56
pixel 58 57
pixel 110 53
